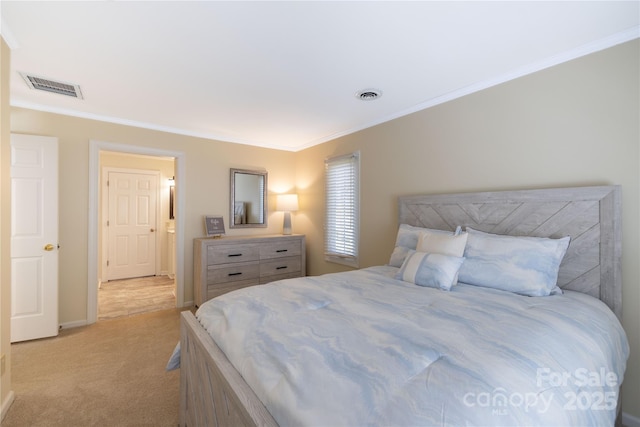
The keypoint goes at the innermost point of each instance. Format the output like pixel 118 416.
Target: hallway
pixel 119 298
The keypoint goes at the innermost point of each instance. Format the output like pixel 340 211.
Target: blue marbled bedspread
pixel 361 348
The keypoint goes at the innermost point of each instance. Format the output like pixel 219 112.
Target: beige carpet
pixel 129 297
pixel 111 373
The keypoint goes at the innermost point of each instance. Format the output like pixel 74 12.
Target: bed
pixel 355 348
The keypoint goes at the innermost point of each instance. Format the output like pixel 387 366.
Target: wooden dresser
pixel 227 263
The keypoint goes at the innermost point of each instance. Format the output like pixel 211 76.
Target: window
pixel 342 209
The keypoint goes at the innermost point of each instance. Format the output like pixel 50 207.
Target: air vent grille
pixel 368 94
pixel 48 85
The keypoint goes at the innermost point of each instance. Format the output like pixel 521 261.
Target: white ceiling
pixel 284 74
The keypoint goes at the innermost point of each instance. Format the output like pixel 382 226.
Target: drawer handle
pixel 230 255
pixel 281 268
pixel 282 250
pixel 234 274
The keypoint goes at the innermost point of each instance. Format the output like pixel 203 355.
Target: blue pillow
pixel 523 265
pixel 430 270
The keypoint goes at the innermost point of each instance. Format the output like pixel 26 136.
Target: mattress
pixel 362 348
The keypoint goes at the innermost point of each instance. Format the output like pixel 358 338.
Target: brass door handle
pixel 49 247
pixel 152 230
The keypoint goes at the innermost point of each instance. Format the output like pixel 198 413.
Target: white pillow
pixel 407 239
pixel 523 265
pixel 445 244
pixel 430 270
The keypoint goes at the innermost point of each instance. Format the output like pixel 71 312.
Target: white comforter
pixel 361 348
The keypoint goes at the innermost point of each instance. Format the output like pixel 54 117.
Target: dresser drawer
pixel 232 272
pixel 280 249
pixel 280 266
pixel 226 254
pixel 221 289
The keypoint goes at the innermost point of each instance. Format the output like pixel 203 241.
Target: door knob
pixel 49 247
pixel 152 230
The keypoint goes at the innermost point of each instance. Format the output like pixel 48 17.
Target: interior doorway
pixel 135 219
pixel 96 261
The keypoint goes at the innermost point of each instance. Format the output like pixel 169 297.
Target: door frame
pixel 95 147
pixel 105 214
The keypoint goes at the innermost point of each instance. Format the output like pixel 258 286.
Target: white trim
pixel 629 420
pixel 95 147
pixel 8 36
pixel 151 126
pixel 6 404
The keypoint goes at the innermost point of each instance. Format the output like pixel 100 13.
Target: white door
pixel 131 225
pixel 34 237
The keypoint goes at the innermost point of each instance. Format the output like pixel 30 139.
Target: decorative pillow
pixel 523 265
pixel 445 244
pixel 407 239
pixel 440 243
pixel 430 270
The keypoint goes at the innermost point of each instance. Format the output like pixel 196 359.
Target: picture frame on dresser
pixel 213 225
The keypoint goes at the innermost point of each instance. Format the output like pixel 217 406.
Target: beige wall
pixel 571 125
pixel 5 228
pixel 207 188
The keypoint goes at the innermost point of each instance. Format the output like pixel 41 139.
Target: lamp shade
pixel 287 202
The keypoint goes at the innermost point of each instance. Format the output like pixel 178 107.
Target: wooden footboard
pixel 212 392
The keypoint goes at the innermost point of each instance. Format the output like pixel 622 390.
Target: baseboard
pixel 7 404
pixel 74 324
pixel 629 420
pixel 78 323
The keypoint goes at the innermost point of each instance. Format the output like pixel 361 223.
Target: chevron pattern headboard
pixel 590 215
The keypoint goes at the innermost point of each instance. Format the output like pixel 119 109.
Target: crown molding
pixel 8 36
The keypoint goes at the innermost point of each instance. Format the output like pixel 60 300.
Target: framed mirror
pixel 248 198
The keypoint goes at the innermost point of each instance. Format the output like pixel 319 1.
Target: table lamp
pixel 287 203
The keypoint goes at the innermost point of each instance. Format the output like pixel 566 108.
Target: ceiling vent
pixel 368 94
pixel 48 85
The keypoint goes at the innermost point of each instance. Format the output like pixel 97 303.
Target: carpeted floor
pixel 111 373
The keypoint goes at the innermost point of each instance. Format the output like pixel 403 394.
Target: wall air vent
pixel 48 85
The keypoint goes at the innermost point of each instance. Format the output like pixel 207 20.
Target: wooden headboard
pixel 590 215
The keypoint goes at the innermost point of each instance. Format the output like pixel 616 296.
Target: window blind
pixel 342 209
